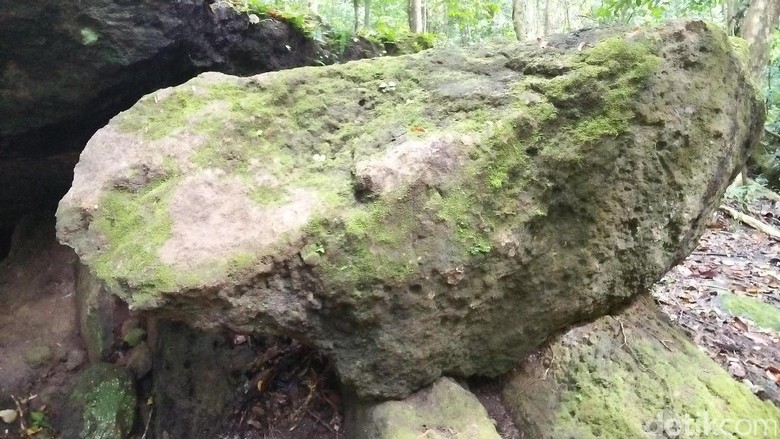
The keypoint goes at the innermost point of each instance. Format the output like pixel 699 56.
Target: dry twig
pixel 752 222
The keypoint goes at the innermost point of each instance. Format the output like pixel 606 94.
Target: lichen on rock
pixel 632 374
pixel 102 404
pixel 436 213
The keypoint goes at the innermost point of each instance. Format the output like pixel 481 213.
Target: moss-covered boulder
pixel 102 404
pixel 435 213
pixel 634 375
pixel 445 410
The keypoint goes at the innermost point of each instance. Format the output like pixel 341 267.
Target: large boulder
pixel 436 213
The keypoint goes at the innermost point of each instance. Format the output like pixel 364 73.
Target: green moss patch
pixel 105 398
pixel 616 378
pixel 135 226
pixel 761 313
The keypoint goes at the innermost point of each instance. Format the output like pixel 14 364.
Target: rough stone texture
pixel 95 315
pixel 445 410
pixel 67 67
pixel 102 404
pixel 633 374
pixel 441 213
pixel 195 377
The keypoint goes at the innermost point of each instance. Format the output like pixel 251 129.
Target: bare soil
pixel 41 351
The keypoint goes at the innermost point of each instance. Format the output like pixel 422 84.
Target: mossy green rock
pixel 633 375
pixel 102 404
pixel 444 410
pixel 437 213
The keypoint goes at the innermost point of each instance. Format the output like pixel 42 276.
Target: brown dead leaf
pixel 773 374
pixel 740 324
pixel 708 274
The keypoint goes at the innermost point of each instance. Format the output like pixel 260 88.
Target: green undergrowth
pixel 299 17
pixel 394 41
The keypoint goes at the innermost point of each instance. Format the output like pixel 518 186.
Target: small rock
pixel 101 405
pixel 753 388
pixel 8 416
pixel 443 410
pixel 134 337
pixel 74 359
pixel 37 356
pixel 139 361
pixel 737 369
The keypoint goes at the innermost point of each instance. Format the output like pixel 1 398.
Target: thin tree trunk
pixel 757 28
pixel 546 19
pixel 537 18
pixel 416 16
pixel 366 14
pixel 425 18
pixel 314 6
pixel 518 18
pixel 356 6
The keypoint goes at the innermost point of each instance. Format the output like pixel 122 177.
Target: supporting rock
pixel 444 410
pixel 633 374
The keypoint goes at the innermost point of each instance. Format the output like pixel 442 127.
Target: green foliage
pixel 643 11
pixel 745 194
pixel 767 159
pixel 291 12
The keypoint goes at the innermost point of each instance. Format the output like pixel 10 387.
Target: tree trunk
pixel 546 19
pixel 518 19
pixel 757 28
pixel 356 6
pixel 425 18
pixel 415 18
pixel 314 6
pixel 366 14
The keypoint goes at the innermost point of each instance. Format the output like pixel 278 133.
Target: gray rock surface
pixel 445 410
